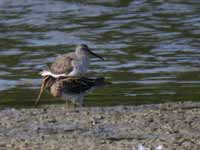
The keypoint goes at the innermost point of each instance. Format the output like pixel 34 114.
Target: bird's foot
pixel 69 107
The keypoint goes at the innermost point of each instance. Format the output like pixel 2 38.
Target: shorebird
pixel 70 89
pixel 71 64
pixel 64 78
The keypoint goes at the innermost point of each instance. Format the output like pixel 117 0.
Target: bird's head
pixel 84 49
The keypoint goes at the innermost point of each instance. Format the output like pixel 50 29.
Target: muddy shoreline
pixel 160 126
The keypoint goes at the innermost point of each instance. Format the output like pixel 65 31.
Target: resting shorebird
pixel 69 89
pixel 71 64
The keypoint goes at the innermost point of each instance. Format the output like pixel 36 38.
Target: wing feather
pixel 62 64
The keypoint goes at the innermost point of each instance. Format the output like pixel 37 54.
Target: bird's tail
pixel 101 82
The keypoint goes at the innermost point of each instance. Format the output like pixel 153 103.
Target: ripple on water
pixel 151 49
pixel 7 84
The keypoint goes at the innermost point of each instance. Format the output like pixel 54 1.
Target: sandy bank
pixel 162 127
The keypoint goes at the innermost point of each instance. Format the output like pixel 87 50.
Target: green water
pixel 152 48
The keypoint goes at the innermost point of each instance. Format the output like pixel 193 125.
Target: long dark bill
pixel 94 54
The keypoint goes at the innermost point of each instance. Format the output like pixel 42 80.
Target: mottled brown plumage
pixel 68 86
pixel 77 85
pixel 63 64
pixel 47 82
pixel 71 64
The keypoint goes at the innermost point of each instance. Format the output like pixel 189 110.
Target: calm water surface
pixel 152 48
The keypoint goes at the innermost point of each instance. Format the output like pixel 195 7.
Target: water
pixel 152 48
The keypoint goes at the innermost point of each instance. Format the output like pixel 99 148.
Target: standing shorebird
pixel 71 64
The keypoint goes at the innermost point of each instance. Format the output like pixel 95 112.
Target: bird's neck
pixel 82 54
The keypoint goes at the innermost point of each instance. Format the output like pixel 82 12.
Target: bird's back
pixel 63 64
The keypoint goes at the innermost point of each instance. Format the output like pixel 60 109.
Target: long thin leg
pixel 69 106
